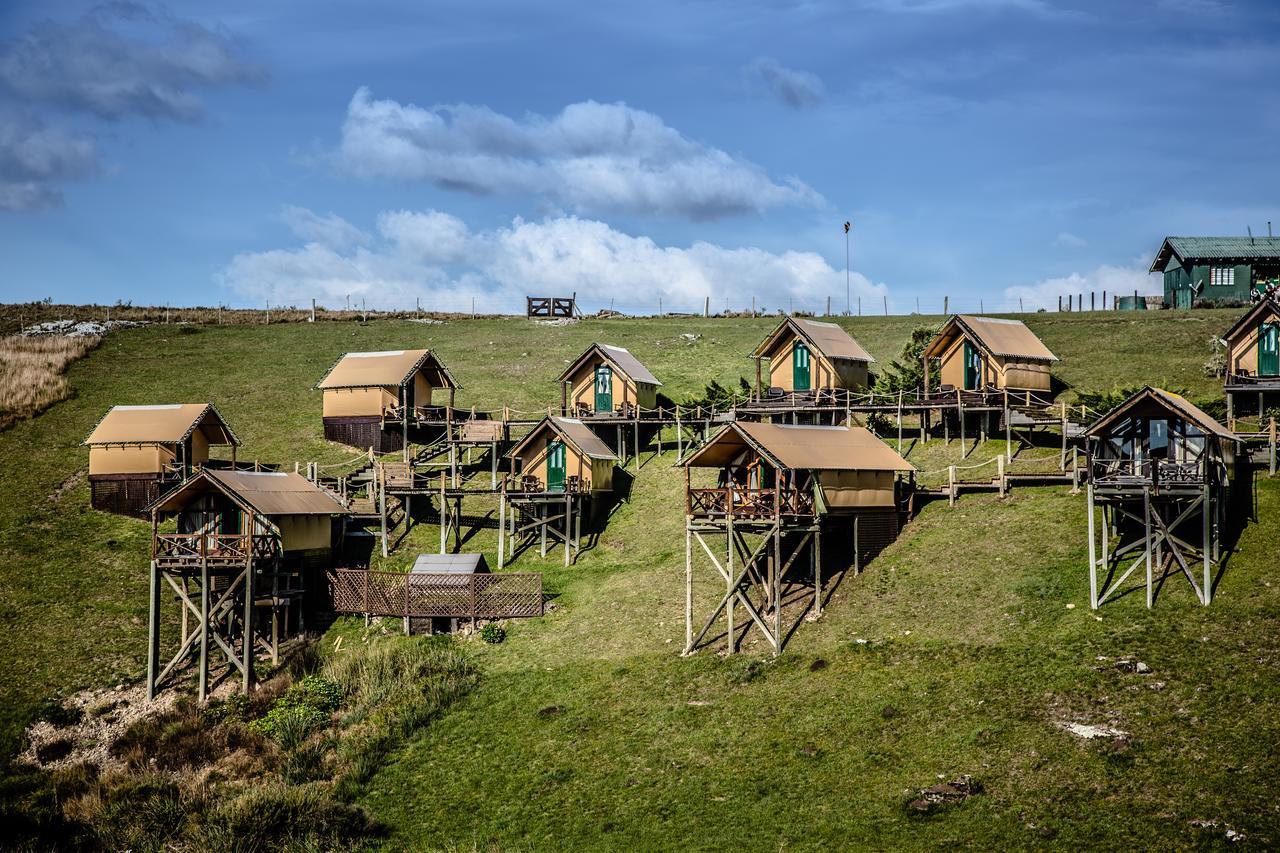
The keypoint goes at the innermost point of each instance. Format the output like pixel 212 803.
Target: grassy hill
pixel 954 653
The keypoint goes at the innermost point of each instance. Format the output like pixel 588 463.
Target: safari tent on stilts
pixel 782 495
pixel 378 399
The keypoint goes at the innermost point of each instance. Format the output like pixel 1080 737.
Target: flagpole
pixel 848 302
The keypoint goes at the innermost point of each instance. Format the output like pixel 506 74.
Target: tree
pixel 906 373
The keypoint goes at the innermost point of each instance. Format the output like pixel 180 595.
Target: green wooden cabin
pixel 1216 268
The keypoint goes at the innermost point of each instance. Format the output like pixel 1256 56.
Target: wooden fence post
pixel 1000 484
pixel 951 485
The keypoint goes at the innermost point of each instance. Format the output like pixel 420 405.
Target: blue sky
pixel 987 150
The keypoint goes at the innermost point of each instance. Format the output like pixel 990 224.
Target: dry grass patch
pixel 32 373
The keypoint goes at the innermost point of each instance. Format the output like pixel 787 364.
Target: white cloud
pixel 435 256
pixel 332 231
pixel 590 156
pixel 120 59
pixel 795 89
pixel 1067 240
pixel 1115 280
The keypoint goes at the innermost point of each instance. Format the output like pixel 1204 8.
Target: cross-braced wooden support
pixel 753 575
pixel 220 600
pixel 526 519
pixel 1151 531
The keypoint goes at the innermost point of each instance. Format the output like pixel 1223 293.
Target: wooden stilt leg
pixel 1093 563
pixel 1206 511
pixel 733 635
pixel 153 632
pixel 502 525
pixel 247 649
pixel 1146 517
pixel 688 588
pixel 817 572
pixel 204 630
pixel 568 515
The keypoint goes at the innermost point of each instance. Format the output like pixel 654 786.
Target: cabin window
pixel 1158 439
pixel 1222 277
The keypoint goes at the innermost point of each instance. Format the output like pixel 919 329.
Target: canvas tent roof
pixel 462 564
pixel 268 492
pixel 828 339
pixel 1216 248
pixel 802 447
pixel 1253 315
pixel 382 369
pixel 622 360
pixel 576 433
pixel 1004 338
pixel 1174 402
pixel 164 424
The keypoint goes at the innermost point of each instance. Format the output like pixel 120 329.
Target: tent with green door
pixel 981 353
pixel 563 454
pixel 810 355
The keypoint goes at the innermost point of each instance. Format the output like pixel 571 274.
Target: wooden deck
pixel 176 550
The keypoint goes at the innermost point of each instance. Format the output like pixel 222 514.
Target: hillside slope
pixel 971 655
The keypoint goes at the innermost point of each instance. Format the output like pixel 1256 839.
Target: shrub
pixel 289 724
pixel 493 633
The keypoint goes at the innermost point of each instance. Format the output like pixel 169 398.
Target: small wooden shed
pixel 607 380
pixel 987 353
pixel 563 455
pixel 363 390
pixel 809 355
pixel 1253 357
pixel 137 451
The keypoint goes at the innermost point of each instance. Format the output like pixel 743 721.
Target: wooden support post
pixel 444 514
pixel 857 555
pixel 568 515
pixel 1062 464
pixel 153 632
pixel 777 588
pixel 1206 512
pixel 502 525
pixel 951 485
pixel 1231 411
pixel 733 631
pixel 688 586
pixel 817 572
pixel 203 677
pixel 404 420
pixel 542 528
pixel 382 508
pixel 1146 519
pixel 1000 481
pixel 1093 562
pixel 1075 471
pixel 1271 441
pixel 247 650
pixel 1008 430
pixel 679 437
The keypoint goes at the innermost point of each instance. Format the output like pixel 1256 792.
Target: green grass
pixel 970 656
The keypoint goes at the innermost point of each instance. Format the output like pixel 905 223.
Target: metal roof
pixel 1253 316
pixel 1000 337
pixel 573 431
pixel 382 369
pixel 267 492
pixel 463 564
pixel 1216 248
pixel 1176 403
pixel 827 339
pixel 622 360
pixel 802 447
pixel 163 424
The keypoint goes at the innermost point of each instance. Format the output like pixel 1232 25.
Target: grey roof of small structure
pixel 463 564
pixel 576 433
pixel 620 357
pixel 1217 249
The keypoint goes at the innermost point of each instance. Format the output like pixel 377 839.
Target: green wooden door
pixel 972 367
pixel 555 466
pixel 604 388
pixel 1269 349
pixel 1184 298
pixel 800 367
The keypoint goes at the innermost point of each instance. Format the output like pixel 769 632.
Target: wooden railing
pixel 749 503
pixel 214 546
pixel 1153 472
pixel 573 485
pixel 419 594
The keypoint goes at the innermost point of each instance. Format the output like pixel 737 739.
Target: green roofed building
pixel 1216 268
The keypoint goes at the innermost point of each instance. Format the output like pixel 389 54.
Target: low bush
pixel 493 633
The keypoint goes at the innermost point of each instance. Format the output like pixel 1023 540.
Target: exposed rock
pixel 1088 732
pixel 77 328
pixel 945 794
